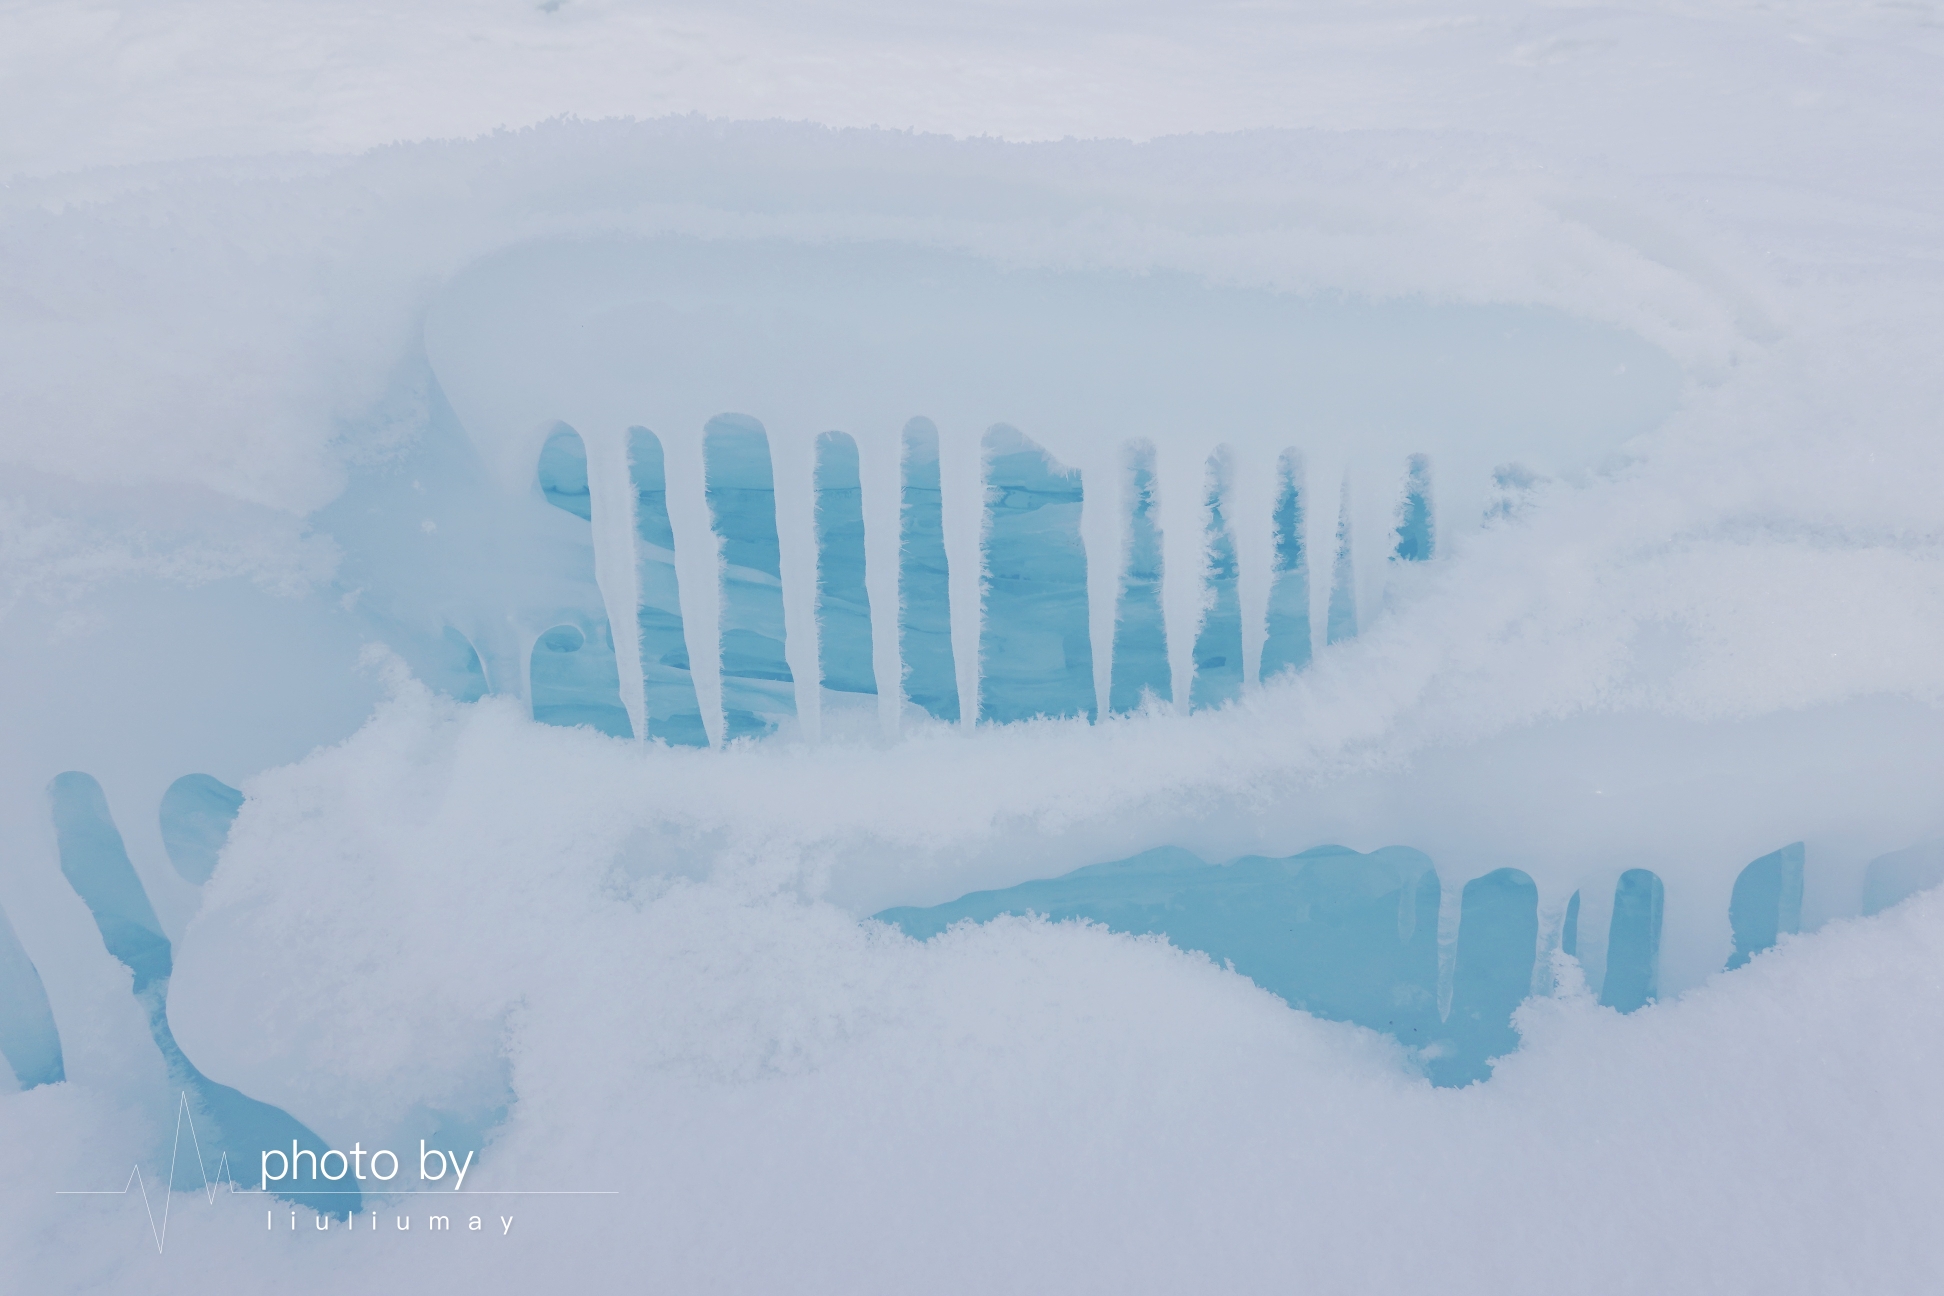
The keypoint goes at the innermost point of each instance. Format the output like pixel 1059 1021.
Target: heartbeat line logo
pixel 160 1231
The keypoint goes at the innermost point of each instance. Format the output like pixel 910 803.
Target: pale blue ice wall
pixel 96 865
pixel 1286 645
pixel 843 605
pixel 1140 633
pixel 572 673
pixel 1035 646
pixel 1498 945
pixel 924 597
pixel 1218 644
pixel 668 687
pixel 756 679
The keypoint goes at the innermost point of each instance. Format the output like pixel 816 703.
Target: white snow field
pixel 525 528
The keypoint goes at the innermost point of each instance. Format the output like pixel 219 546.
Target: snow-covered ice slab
pixel 1300 448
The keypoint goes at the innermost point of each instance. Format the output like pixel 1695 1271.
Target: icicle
pixel 925 639
pixel 794 464
pixel 1183 512
pixel 879 474
pixel 1140 657
pixel 757 686
pixel 1416 523
pixel 1218 645
pixel 1322 513
pixel 611 528
pixel 963 519
pixel 1343 572
pixel 1252 491
pixel 1035 645
pixel 1286 645
pixel 843 601
pixel 668 688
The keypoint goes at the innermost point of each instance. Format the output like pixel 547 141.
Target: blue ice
pixel 96 865
pixel 843 605
pixel 1287 645
pixel 1140 632
pixel 1633 942
pixel 756 680
pixel 28 1038
pixel 1343 935
pixel 196 815
pixel 1414 528
pixel 1890 879
pixel 1218 645
pixel 1766 903
pixel 1498 944
pixel 1035 648
pixel 1342 621
pixel 572 675
pixel 924 597
pixel 674 715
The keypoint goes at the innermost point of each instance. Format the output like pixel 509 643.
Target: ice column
pixel 96 865
pixel 1415 531
pixel 1767 902
pixel 1287 646
pixel 28 1038
pixel 571 670
pixel 757 686
pixel 924 592
pixel 1140 634
pixel 674 716
pixel 196 815
pixel 843 605
pixel 1498 943
pixel 1035 644
pixel 1218 644
pixel 1633 942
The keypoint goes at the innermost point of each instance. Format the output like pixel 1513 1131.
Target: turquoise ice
pixel 1766 903
pixel 1218 644
pixel 1633 942
pixel 28 1038
pixel 1140 633
pixel 756 679
pixel 1287 642
pixel 196 815
pixel 96 865
pixel 571 671
pixel 1414 530
pixel 668 688
pixel 1498 945
pixel 1035 647
pixel 843 606
pixel 924 597
pixel 1343 935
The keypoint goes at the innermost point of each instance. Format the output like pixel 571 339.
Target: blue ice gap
pixel 1893 878
pixel 196 815
pixel 1140 632
pixel 924 594
pixel 843 604
pixel 668 687
pixel 756 680
pixel 1498 946
pixel 28 1038
pixel 1035 647
pixel 1218 644
pixel 572 675
pixel 96 865
pixel 1287 644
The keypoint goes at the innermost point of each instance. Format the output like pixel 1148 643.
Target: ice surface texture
pixel 96 865
pixel 1105 487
